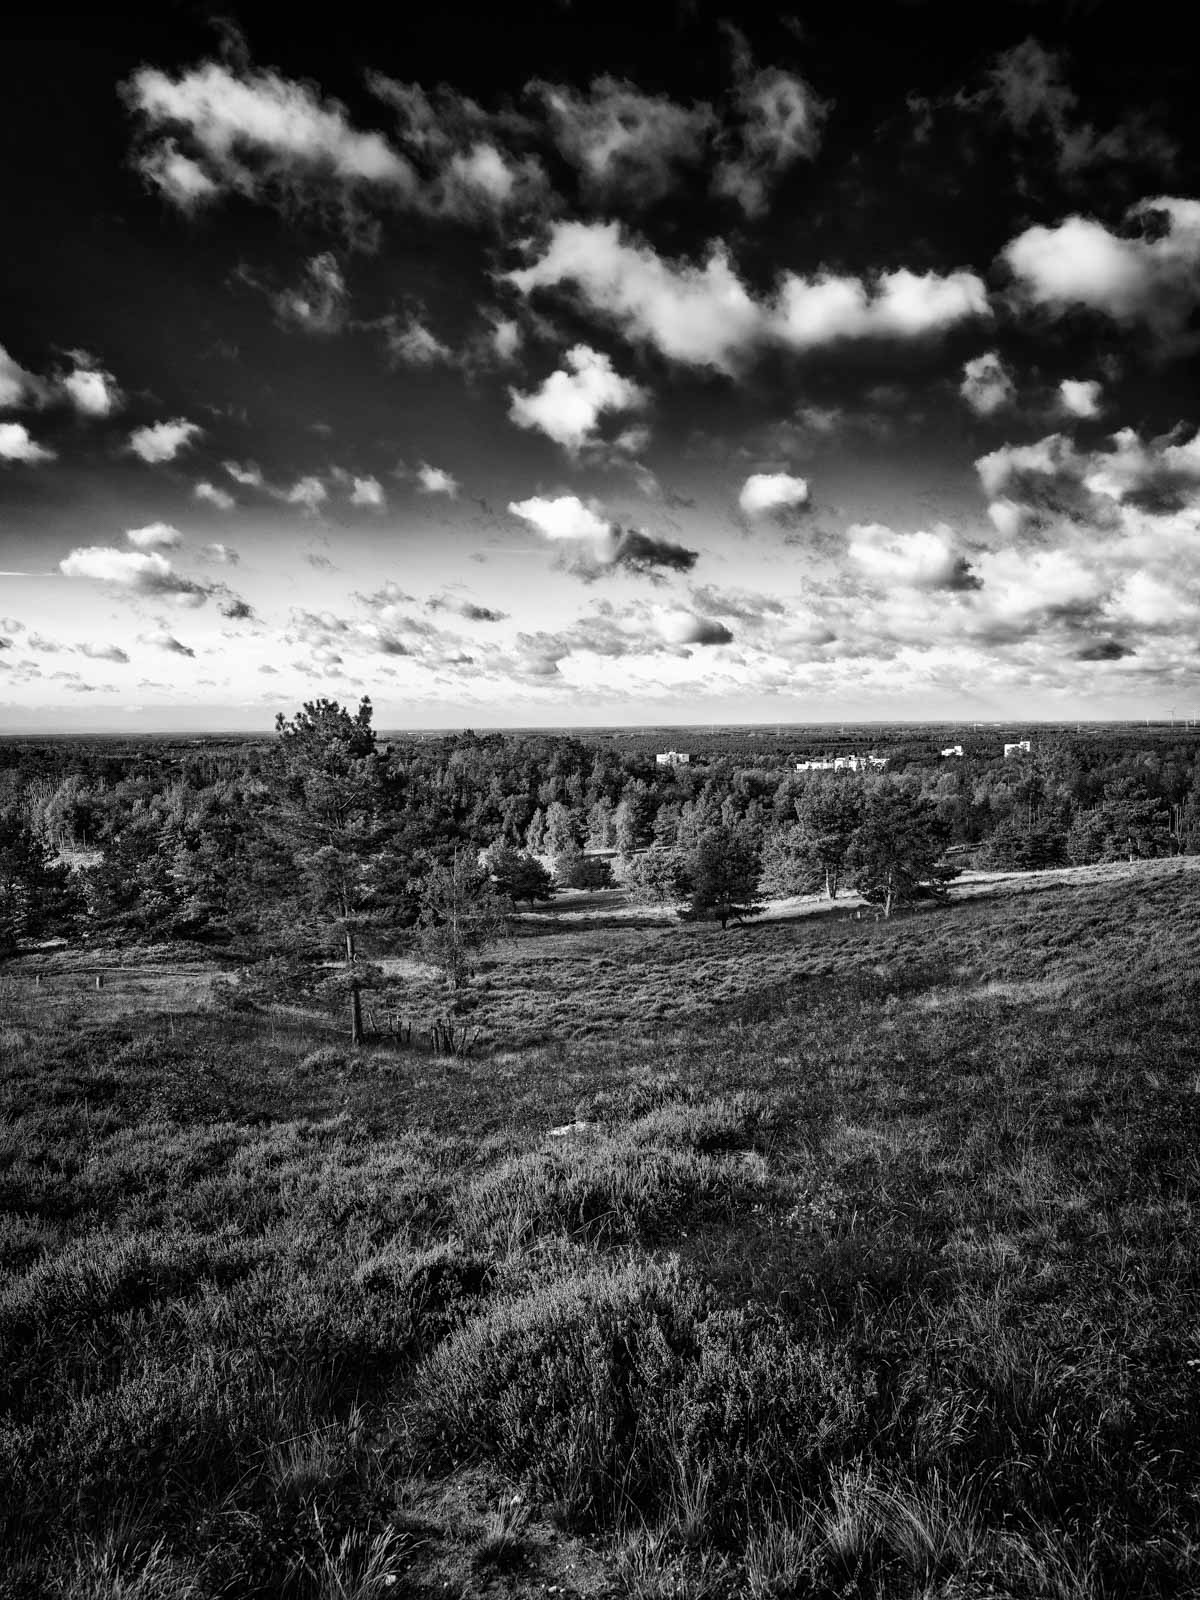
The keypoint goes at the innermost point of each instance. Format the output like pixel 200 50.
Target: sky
pixel 564 364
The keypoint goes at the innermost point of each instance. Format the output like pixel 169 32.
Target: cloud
pixel 1152 280
pixel 318 304
pixel 1028 85
pixel 249 476
pixel 368 492
pixel 90 389
pixel 104 652
pixel 627 146
pixel 154 536
pixel 647 555
pixel 704 316
pixel 699 316
pixel 308 492
pixel 146 573
pixel 569 405
pixel 606 547
pixel 987 385
pixel 780 121
pixel 911 560
pixel 466 173
pixel 220 498
pixel 773 494
pixel 235 608
pixel 178 178
pixel 255 134
pixel 163 639
pixel 505 339
pixel 465 608
pixel 412 344
pixel 1080 397
pixel 162 441
pixel 222 554
pixel 17 386
pixel 685 628
pixel 433 480
pixel 812 312
pixel 16 445
pixel 565 517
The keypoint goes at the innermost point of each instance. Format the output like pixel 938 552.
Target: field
pixel 820 1258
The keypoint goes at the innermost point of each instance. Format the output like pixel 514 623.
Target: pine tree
pixel 724 871
pixel 461 915
pixel 895 853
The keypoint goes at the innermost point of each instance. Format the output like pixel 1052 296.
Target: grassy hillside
pixel 819 1258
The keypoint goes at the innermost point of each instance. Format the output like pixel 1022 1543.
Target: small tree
pixel 564 831
pixel 790 864
pixel 574 870
pixel 326 814
pixel 895 854
pixel 516 875
pixel 724 871
pixel 461 915
pixel 657 877
pixel 828 813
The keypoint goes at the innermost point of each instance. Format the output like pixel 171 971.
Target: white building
pixel 953 750
pixel 1021 747
pixel 842 764
pixel 674 758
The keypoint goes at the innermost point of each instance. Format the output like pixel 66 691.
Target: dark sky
pixel 573 363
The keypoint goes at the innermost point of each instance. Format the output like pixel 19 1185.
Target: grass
pixel 867 1265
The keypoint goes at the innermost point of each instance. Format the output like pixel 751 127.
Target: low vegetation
pixel 817 1258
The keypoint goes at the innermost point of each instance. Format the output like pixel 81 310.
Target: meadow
pixel 816 1258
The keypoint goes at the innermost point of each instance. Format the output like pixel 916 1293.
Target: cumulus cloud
pixel 90 389
pixel 17 386
pixel 569 405
pixel 235 608
pixel 564 517
pixel 248 475
pixel 1080 397
pixel 987 385
pixel 1151 279
pixel 164 639
pixel 812 312
pixel 434 480
pixel 222 554
pixel 154 536
pixel 1028 84
pixel 368 492
pixel 467 170
pixel 17 445
pixel 412 344
pixel 309 493
pixel 213 131
pixel 163 441
pixel 626 145
pixel 685 628
pixel 104 652
pixel 220 498
pixel 147 573
pixel 318 303
pixel 467 609
pixel 600 545
pixel 923 560
pixel 704 316
pixel 779 121
pixel 699 316
pixel 773 494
